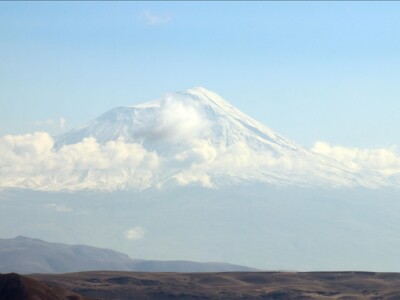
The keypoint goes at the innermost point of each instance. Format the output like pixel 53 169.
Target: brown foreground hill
pixel 239 285
pixel 17 287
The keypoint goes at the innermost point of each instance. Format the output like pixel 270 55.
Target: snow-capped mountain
pixel 178 118
pixel 199 138
pixel 188 176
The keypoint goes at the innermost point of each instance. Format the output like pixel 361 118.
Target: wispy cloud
pixel 135 233
pixel 62 122
pixel 57 124
pixel 58 207
pixel 151 18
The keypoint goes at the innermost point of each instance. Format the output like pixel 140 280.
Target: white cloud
pixel 204 163
pixel 383 160
pixel 175 120
pixel 135 233
pixel 30 161
pixel 53 124
pixel 180 121
pixel 151 18
pixel 58 207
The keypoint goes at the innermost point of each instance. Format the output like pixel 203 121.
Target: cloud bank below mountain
pixel 31 161
pixel 386 161
pixel 192 137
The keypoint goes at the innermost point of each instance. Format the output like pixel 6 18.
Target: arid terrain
pixel 17 287
pixel 240 285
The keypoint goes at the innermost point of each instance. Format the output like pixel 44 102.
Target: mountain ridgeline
pixel 195 137
pixel 25 255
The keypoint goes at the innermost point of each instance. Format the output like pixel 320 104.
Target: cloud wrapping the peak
pixel 175 120
pixel 180 121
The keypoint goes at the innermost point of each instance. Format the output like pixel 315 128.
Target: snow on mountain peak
pixel 178 118
pixel 188 137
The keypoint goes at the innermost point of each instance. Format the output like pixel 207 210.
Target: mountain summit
pixel 198 137
pixel 178 118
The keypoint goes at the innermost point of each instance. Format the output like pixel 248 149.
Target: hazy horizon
pixel 254 133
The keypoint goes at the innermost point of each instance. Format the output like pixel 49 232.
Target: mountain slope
pixel 199 138
pixel 25 255
pixel 160 120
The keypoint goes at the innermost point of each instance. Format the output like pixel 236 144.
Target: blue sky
pixel 309 70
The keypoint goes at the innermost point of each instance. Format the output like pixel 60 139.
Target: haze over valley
pixel 199 150
pixel 147 179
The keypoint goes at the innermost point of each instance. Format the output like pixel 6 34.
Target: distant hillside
pixel 25 255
